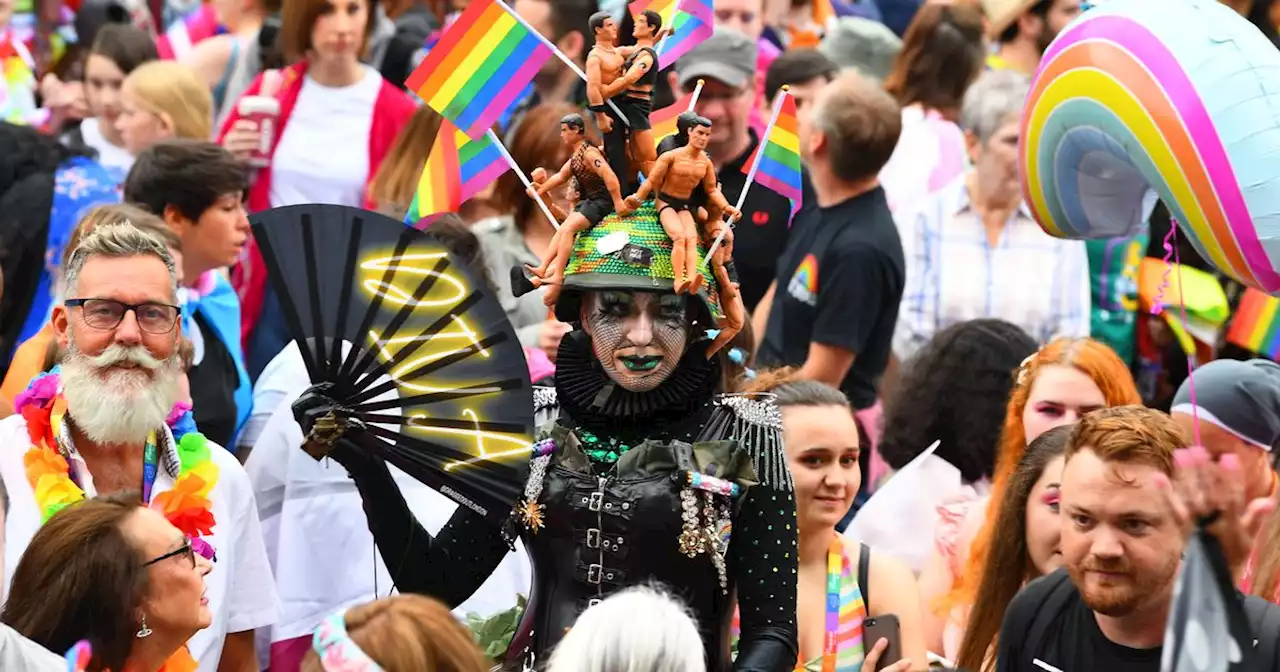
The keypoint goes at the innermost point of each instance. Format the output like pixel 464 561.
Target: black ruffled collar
pixel 590 399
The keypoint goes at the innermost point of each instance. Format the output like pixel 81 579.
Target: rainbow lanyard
pixel 835 571
pixel 150 463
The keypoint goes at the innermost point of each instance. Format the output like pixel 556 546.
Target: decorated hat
pixel 633 253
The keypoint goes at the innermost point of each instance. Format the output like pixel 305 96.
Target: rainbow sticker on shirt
pixel 804 283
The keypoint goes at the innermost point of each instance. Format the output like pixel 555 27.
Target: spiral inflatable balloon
pixel 1177 96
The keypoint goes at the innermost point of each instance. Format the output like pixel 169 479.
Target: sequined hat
pixel 631 253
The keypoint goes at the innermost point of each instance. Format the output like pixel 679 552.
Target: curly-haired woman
pixel 952 391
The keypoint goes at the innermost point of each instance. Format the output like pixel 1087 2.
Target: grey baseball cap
pixel 1241 397
pixel 727 56
pixel 865 45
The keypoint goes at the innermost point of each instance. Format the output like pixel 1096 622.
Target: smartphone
pixel 887 627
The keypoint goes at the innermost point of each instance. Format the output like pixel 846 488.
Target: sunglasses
pixel 184 551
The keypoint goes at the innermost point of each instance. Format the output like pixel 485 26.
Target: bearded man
pixel 99 426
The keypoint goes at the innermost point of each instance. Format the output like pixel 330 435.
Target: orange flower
pixel 40 462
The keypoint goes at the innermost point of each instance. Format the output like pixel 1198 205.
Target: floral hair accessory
pixel 338 653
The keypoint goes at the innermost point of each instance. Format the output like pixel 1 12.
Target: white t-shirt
pixel 109 155
pixel 241 591
pixel 312 510
pixel 19 653
pixel 323 155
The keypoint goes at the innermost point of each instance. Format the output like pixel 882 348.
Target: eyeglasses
pixel 185 550
pixel 107 314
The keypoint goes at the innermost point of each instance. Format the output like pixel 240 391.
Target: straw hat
pixel 1003 13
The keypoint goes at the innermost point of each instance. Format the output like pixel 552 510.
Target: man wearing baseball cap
pixel 726 62
pixel 1237 404
pixel 1023 29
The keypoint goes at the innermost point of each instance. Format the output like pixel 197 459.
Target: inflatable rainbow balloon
pixel 1177 96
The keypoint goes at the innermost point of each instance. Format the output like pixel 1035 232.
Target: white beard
pixel 124 406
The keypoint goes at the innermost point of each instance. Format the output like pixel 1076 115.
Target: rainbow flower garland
pixel 186 506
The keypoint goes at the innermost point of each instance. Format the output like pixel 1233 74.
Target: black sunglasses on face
pixel 185 550
pixel 107 314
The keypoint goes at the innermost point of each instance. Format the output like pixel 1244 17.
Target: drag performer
pixel 598 197
pixel 633 91
pixel 641 471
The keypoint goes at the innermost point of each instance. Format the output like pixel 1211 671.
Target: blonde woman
pixel 162 100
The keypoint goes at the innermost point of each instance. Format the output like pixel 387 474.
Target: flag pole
pixel 559 54
pixel 497 142
pixel 755 165
pixel 697 91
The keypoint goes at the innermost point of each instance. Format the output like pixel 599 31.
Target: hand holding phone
pixel 885 653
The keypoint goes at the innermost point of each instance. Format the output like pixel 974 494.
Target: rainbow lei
pixel 186 506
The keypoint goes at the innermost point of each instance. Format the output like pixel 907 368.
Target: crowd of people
pixel 987 453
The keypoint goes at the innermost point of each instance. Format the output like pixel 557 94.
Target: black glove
pixel 314 404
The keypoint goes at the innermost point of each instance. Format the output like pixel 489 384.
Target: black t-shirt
pixel 761 235
pixel 840 281
pixel 213 387
pixel 1071 640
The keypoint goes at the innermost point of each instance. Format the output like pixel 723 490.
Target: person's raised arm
pixel 449 567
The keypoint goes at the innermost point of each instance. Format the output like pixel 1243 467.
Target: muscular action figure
pixel 633 92
pixel 604 67
pixel 676 177
pixel 598 196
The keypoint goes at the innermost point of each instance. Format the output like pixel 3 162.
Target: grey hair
pixel 640 629
pixel 118 241
pixel 988 104
pixel 808 393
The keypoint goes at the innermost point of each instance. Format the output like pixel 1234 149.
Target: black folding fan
pixel 432 369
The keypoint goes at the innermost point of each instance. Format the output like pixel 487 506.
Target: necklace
pixel 598 450
pixel 186 506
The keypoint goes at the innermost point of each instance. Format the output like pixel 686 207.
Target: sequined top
pixel 608 526
pixel 590 185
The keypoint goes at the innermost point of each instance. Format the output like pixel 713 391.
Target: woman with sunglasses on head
pixel 118 575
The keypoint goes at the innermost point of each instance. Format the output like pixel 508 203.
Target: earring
pixel 144 631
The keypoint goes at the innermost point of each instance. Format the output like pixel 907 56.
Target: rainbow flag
pixel 457 169
pixel 665 8
pixel 779 165
pixel 479 67
pixel 689 30
pixel 1254 327
pixel 664 120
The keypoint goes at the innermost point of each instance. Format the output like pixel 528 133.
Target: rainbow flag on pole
pixel 480 66
pixel 457 169
pixel 779 164
pixel 689 32
pixel 1254 327
pixel 664 120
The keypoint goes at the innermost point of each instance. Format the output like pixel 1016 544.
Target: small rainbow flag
pixel 480 66
pixel 688 31
pixel 457 169
pixel 1254 327
pixel 665 8
pixel 664 120
pixel 779 165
